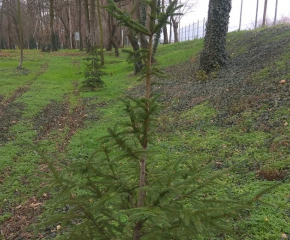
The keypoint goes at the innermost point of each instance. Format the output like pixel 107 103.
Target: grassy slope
pixel 51 77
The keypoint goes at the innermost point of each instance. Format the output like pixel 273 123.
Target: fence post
pixel 192 31
pixel 188 32
pixel 275 19
pixel 257 8
pixel 241 12
pixel 265 13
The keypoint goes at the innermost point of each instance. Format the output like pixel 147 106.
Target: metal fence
pixel 239 21
pixel 192 31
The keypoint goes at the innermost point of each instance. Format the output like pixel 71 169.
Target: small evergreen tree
pixel 93 72
pixel 124 191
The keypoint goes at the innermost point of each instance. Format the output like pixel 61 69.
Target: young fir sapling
pixel 93 71
pixel 125 190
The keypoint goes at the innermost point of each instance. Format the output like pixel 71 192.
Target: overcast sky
pixel 248 16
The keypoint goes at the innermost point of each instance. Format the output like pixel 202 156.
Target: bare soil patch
pixel 21 217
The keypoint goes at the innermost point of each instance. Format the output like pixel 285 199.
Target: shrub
pixel 93 72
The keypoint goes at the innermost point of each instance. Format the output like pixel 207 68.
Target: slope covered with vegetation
pixel 237 115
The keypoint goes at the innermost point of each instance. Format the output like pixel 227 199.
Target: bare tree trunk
pixel 241 12
pixel 101 33
pixel 165 34
pixel 80 25
pixel 1 25
pixel 51 18
pixel 69 26
pixel 170 31
pixel 265 13
pixel 276 7
pixel 92 21
pixel 109 44
pixel 175 30
pixel 257 8
pixel 9 33
pixel 88 30
pixel 112 38
pixel 20 31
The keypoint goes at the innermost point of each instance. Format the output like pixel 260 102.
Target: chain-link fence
pixel 242 19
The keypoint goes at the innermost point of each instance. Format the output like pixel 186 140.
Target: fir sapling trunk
pixel 142 180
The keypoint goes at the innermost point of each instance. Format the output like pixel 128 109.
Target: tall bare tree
pixel 88 28
pixel 53 46
pixel 265 13
pixel 1 23
pixel 165 33
pixel 187 7
pixel 20 33
pixel 79 2
pixel 101 33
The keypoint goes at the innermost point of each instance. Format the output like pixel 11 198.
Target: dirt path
pixel 57 117
pixel 10 111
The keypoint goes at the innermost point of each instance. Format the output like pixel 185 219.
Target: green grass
pixel 177 53
pixel 51 77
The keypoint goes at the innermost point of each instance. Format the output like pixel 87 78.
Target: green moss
pixel 200 112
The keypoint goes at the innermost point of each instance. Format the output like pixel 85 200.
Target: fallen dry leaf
pixel 284 236
pixel 35 205
pixel 282 81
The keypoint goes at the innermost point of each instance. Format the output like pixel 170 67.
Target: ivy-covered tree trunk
pixel 142 15
pixel 134 42
pixel 214 50
pixel 158 34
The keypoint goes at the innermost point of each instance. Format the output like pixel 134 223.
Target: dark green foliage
pixel 55 42
pixel 93 72
pixel 45 47
pixel 2 43
pixel 97 198
pixel 214 51
pixel 32 43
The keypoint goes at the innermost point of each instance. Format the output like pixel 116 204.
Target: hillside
pixel 237 115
